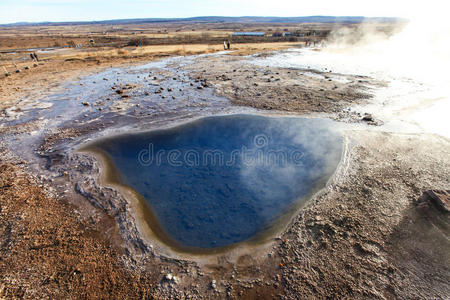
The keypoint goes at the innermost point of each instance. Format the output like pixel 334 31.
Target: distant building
pixel 287 34
pixel 248 34
pixel 277 34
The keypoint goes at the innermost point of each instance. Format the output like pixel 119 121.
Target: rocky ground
pixel 368 235
pixel 291 90
pixel 47 251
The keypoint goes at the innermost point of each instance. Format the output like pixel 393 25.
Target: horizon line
pixel 193 17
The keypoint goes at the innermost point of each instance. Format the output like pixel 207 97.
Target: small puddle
pixel 218 181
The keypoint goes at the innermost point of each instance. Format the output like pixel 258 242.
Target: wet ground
pixel 409 100
pixel 361 236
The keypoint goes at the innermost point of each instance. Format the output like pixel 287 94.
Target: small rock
pixel 85 103
pixel 171 278
pixel 119 92
pixel 213 284
pixel 368 118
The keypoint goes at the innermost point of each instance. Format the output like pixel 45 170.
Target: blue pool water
pixel 220 180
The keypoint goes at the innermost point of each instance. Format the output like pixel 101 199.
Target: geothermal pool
pixel 221 180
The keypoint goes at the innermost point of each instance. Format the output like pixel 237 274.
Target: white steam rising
pixel 413 59
pixel 420 51
pixel 415 62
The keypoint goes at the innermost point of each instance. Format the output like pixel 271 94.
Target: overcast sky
pixel 87 10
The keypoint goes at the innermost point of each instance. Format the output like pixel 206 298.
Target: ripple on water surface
pixel 221 180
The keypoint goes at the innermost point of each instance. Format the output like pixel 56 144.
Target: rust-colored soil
pixel 47 251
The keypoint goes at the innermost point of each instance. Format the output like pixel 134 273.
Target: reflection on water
pixel 221 180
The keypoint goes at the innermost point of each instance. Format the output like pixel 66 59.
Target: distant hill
pixel 217 19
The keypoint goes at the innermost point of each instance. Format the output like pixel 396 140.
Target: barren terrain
pixel 372 233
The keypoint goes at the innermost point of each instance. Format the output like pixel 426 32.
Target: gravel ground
pixel 65 235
